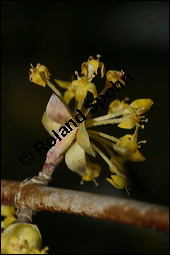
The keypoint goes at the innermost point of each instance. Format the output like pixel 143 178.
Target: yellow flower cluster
pixel 77 143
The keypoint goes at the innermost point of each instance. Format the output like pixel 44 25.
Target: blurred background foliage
pixel 129 35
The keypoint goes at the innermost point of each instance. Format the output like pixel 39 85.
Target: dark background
pixel 129 35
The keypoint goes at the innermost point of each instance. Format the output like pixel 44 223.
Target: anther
pixel 146 120
pixel 125 99
pixel 82 182
pixel 142 126
pixel 77 74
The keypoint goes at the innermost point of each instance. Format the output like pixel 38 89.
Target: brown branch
pixel 126 211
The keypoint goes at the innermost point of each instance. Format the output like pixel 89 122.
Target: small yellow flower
pixel 135 109
pixel 81 86
pixel 114 76
pixel 92 172
pixel 78 88
pixel 128 148
pixel 89 68
pixel 35 74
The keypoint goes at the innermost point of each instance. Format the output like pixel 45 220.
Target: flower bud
pixel 20 237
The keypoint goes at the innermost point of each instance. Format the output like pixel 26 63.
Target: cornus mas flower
pixel 113 76
pixel 78 88
pixel 135 109
pixel 72 129
pixel 35 74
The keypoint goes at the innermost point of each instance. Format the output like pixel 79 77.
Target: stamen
pixel 145 120
pixel 77 74
pixel 142 126
pixel 98 56
pixel 95 182
pixel 128 190
pixel 123 73
pixel 82 182
pixel 144 141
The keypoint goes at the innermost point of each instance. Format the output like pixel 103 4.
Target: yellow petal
pixel 118 181
pixel 75 158
pixel 57 111
pixel 8 221
pixel 94 63
pixel 116 105
pixel 7 210
pixel 139 103
pixel 81 93
pixel 101 65
pixel 69 94
pixel 83 140
pixel 44 69
pixel 92 88
pixel 136 157
pixel 128 123
pixel 49 124
pixel 128 144
pixel 63 84
pixel 84 68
